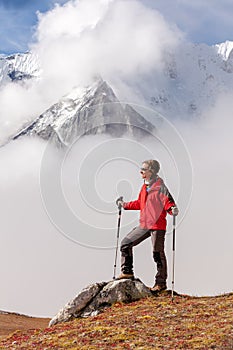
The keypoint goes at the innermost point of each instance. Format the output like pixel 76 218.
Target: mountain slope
pixel 91 110
pixel 10 322
pixel 225 49
pixel 18 67
pixel 189 82
pixel 151 323
pixel 192 78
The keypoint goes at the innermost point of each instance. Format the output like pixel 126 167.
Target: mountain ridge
pixel 192 77
pixel 91 110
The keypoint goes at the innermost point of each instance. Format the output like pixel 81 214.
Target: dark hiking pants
pixel 136 236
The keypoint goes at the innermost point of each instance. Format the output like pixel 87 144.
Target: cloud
pixel 81 40
pixel 205 234
pixel 91 175
pixel 37 256
pixel 201 21
pixel 51 200
pixel 18 105
pixel 42 252
pixel 73 44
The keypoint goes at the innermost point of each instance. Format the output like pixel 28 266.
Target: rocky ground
pixel 154 322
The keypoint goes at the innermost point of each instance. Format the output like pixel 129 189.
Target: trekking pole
pixel 118 233
pixel 173 254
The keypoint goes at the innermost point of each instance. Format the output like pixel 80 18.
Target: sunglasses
pixel 144 169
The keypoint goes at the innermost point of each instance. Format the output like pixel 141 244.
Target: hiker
pixel 154 202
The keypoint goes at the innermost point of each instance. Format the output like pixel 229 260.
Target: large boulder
pixel 98 296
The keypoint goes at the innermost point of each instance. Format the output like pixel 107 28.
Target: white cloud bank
pixel 83 39
pixel 46 266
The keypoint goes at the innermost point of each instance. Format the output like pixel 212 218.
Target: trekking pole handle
pixel 119 201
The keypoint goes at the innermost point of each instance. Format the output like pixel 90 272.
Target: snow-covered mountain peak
pixel 81 94
pixel 225 49
pixel 94 109
pixel 19 66
pixel 191 78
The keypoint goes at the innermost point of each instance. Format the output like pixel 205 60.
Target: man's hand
pixel 119 202
pixel 175 211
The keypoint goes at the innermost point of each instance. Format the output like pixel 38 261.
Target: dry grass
pixel 151 323
pixel 9 322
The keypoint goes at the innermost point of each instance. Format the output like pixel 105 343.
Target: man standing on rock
pixel 154 202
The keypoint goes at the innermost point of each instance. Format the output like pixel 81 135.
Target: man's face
pixel 145 172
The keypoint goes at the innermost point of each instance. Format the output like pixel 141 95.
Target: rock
pixel 73 307
pixel 116 291
pixel 97 297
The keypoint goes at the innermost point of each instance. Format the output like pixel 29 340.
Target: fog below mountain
pixel 55 243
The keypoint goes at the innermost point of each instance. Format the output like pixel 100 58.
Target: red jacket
pixel 153 204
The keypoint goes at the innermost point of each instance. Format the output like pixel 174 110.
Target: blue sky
pixel 208 21
pixel 18 20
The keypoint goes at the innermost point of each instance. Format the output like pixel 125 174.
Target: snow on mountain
pixel 192 77
pixel 18 67
pixel 225 49
pixel 91 110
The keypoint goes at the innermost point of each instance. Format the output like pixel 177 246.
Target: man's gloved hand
pixel 119 202
pixel 175 211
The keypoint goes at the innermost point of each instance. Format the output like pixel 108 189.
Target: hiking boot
pixel 125 276
pixel 158 288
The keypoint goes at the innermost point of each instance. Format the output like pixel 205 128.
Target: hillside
pixel 9 322
pixel 151 323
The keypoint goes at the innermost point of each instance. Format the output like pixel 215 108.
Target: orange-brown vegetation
pixel 150 323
